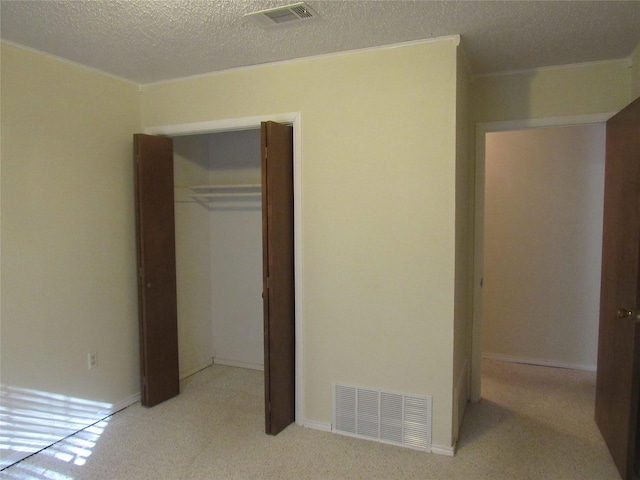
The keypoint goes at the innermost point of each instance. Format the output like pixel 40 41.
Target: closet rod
pixel 225 187
pixel 215 195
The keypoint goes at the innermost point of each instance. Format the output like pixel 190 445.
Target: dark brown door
pixel 619 337
pixel 155 234
pixel 278 276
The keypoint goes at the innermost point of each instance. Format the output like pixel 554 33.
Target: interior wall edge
pixel 443 450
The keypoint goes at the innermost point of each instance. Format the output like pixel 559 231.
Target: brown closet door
pixel 157 305
pixel 619 335
pixel 278 276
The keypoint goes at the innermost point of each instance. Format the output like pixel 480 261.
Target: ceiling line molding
pixel 552 67
pixel 454 38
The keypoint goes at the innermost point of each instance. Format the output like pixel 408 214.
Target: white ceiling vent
pixel 287 15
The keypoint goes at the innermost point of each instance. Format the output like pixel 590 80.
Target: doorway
pixel 479 325
pixel 253 123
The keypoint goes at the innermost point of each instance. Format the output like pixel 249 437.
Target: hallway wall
pixel 543 241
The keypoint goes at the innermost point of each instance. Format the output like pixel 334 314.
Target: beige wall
pixel 378 209
pixel 585 89
pixel 464 243
pixel 68 243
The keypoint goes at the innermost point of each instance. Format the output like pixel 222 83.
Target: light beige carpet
pixel 533 423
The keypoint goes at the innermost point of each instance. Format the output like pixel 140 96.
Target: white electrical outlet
pixel 92 360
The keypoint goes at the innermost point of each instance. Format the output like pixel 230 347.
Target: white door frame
pixel 478 252
pixel 246 123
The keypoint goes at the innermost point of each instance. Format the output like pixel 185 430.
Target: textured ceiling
pixel 152 40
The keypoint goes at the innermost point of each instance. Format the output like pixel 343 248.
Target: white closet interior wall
pixel 218 252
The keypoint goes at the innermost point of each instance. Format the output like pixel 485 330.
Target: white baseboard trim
pixel 538 361
pixel 323 427
pixel 442 450
pixel 124 403
pixel 191 371
pixel 236 363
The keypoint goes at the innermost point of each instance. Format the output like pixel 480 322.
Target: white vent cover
pixel 283 15
pixel 388 417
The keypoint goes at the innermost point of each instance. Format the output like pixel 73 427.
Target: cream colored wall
pixel 464 243
pixel 378 209
pixel 585 89
pixel 543 245
pixel 68 241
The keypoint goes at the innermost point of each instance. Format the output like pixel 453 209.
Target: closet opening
pixel 218 225
pixel 234 207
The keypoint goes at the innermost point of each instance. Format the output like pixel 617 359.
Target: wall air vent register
pixel 387 417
